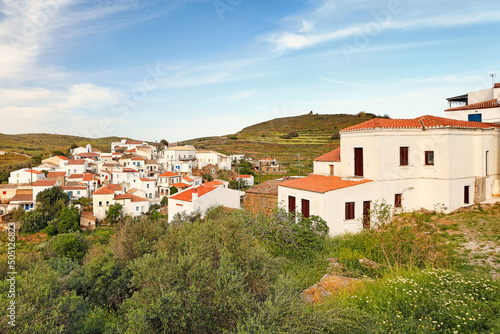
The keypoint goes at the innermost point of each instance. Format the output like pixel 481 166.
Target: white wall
pixel 490 115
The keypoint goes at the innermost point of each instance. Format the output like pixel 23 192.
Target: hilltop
pixel 272 138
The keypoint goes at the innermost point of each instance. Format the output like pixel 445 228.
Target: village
pixel 425 162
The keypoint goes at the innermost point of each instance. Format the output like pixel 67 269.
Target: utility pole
pixel 260 170
pixel 299 164
pixel 31 171
pixel 493 76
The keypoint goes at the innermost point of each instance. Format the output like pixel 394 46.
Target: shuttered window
pixel 398 200
pixel 429 158
pixel 349 210
pixel 291 204
pixel 305 208
pixel 403 156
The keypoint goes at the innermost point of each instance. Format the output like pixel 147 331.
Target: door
pixel 358 161
pixel 291 204
pixel 305 208
pixel 331 170
pixel 366 214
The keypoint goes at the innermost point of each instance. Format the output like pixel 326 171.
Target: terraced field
pixel 268 139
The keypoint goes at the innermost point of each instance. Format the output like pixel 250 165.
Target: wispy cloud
pixel 346 83
pixel 242 95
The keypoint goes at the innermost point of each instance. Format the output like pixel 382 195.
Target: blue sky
pixel 183 69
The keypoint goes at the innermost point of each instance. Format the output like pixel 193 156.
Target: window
pixel 107 203
pixel 100 203
pixel 147 186
pixel 358 161
pixel 331 170
pixel 291 204
pixel 78 192
pixel 305 208
pixel 349 211
pixel 136 208
pixel 398 200
pixel 429 158
pixel 487 158
pixel 475 118
pixel 466 195
pixel 403 156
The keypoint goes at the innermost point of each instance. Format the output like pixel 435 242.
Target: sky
pixel 182 69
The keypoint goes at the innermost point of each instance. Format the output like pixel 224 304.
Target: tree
pixel 164 201
pixel 67 221
pixel 33 221
pixel 51 201
pixel 173 190
pixel 335 136
pixel 114 213
pixel 208 177
pixel 17 214
pixel 70 245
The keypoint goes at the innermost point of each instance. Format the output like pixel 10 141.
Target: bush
pixel 67 221
pixel 32 222
pixel 431 301
pixel 233 137
pixel 293 134
pixel 335 136
pixel 71 245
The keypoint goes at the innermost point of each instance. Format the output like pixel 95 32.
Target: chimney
pixel 195 194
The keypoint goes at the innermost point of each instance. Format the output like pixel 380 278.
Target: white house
pixel 24 201
pixel 42 185
pixel 179 159
pixel 74 166
pixel 25 175
pixel 478 106
pixel 204 158
pixel 247 179
pixel 166 180
pixel 108 195
pixel 201 198
pixel 75 192
pixel 192 180
pixel 413 163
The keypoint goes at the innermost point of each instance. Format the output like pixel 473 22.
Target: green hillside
pixel 269 139
pixel 42 143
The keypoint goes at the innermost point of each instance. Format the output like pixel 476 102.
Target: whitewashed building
pixel 204 158
pixel 409 163
pixel 25 175
pixel 478 106
pixel 201 198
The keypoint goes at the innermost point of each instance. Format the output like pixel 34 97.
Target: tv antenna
pixel 493 76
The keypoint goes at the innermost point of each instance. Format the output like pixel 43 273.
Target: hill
pixel 42 143
pixel 275 138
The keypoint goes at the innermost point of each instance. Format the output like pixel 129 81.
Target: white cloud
pixel 346 83
pixel 242 95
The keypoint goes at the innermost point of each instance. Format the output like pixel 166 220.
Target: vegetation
pixel 234 272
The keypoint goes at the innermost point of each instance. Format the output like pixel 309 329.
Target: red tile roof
pixel 188 179
pixel 114 187
pixel 124 196
pixel 89 155
pixel 56 174
pixel 45 183
pixel 76 176
pixel 32 171
pixel 138 158
pixel 497 85
pixel 181 185
pixel 22 198
pixel 244 176
pixel 75 162
pixel 332 156
pixel 423 122
pixel 74 188
pixel 137 198
pixel 187 195
pixel 480 105
pixel 213 183
pixel 144 179
pixel 104 191
pixel 169 174
pixel 320 183
pixel 133 142
pixel 128 170
pixel 62 157
pixel 88 178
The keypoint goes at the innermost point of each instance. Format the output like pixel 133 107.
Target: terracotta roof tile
pixel 244 176
pixel 332 156
pixel 320 183
pixel 104 191
pixel 213 183
pixel 62 157
pixel 181 185
pixel 76 176
pixel 169 174
pixel 22 198
pixel 144 179
pixel 133 142
pixel 269 187
pixel 74 188
pixel 497 85
pixel 480 105
pixel 88 155
pixel 423 122
pixel 137 198
pixel 123 196
pixel 75 162
pixel 45 183
pixel 187 179
pixel 32 171
pixel 114 187
pixel 187 195
pixel 56 174
pixel 88 178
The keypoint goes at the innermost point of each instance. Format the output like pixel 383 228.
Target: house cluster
pixel 427 162
pixel 133 174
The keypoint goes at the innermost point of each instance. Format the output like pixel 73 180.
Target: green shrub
pixel 71 245
pixel 32 221
pixel 431 301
